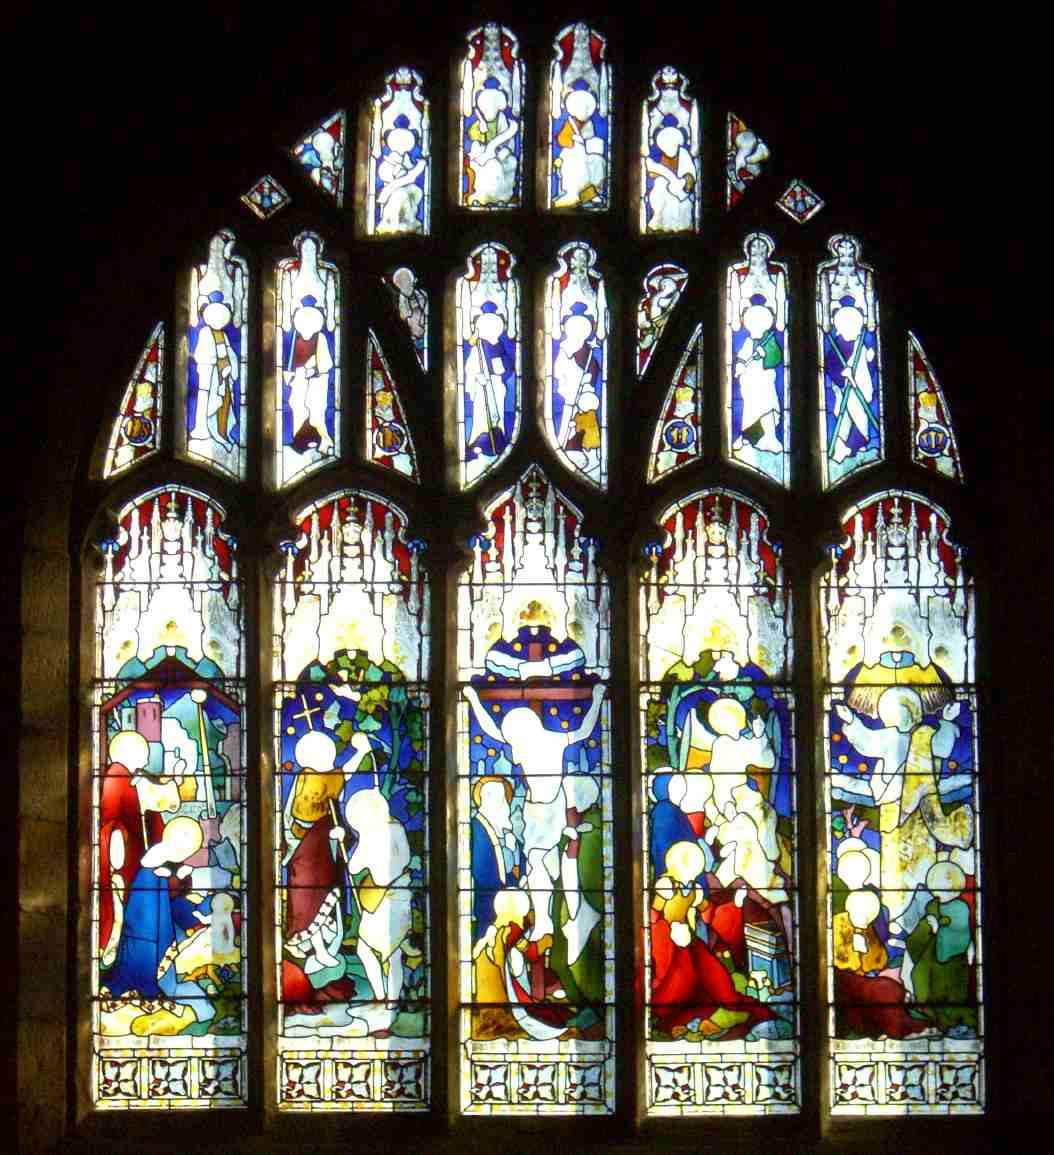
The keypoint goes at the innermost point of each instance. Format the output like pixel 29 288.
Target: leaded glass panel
pixel 902 806
pixel 168 963
pixel 307 350
pixel 535 902
pixel 757 361
pixel 136 432
pixel 399 181
pixel 720 829
pixel 847 333
pixel 579 122
pixel 215 387
pixel 351 720
pixel 491 118
pixel 489 352
pixel 671 193
pixel 576 363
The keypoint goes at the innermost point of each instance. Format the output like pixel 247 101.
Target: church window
pixel 757 361
pixel 847 320
pixel 351 667
pixel 489 356
pixel 576 363
pixel 136 430
pixel 266 198
pixel 525 768
pixel 670 179
pixel 902 806
pixel 678 439
pixel 719 791
pixel 214 358
pixel 535 840
pixel 389 442
pixel 932 434
pixel 307 372
pixel 745 153
pixel 399 180
pixel 663 287
pixel 411 301
pixel 579 122
pixel 321 153
pixel 491 119
pixel 169 798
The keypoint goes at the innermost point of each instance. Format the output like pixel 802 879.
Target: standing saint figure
pixel 314 922
pixel 217 372
pixel 848 315
pixel 307 375
pixel 757 316
pixel 578 125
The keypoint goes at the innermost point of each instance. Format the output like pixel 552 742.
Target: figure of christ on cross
pixel 554 805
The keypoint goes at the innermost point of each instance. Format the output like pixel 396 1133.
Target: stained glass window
pixel 663 287
pixel 535 900
pixel 488 360
pixel 670 192
pixel 579 121
pixel 214 353
pixel 745 153
pixel 851 429
pixel 399 181
pixel 719 796
pixel 388 439
pixel 491 120
pixel 307 347
pixel 321 153
pixel 597 903
pixel 169 865
pixel 412 302
pixel 136 430
pixel 678 439
pixel 757 361
pixel 351 833
pixel 265 198
pixel 932 434
pixel 901 799
pixel 800 202
pixel 576 355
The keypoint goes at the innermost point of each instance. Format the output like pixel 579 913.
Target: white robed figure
pixel 903 785
pixel 217 366
pixel 383 895
pixel 492 155
pixel 758 309
pixel 399 197
pixel 848 306
pixel 671 197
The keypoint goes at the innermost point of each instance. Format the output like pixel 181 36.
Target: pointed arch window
pixel 534 796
